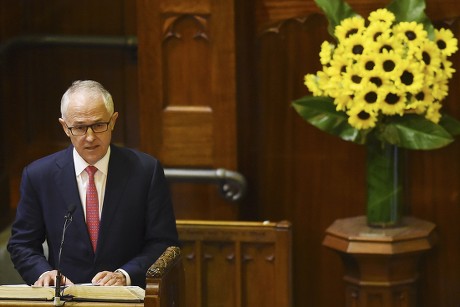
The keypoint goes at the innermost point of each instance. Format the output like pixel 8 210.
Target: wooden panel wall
pixel 34 78
pixel 187 101
pixel 187 86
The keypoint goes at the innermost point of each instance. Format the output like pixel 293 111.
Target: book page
pixel 25 292
pixel 87 293
pixel 105 293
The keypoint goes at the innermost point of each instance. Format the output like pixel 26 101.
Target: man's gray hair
pixel 89 88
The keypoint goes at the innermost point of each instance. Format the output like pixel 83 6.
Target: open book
pixel 86 293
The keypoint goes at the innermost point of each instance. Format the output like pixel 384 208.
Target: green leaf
pixel 415 132
pixel 321 113
pixel 335 11
pixel 452 125
pixel 412 10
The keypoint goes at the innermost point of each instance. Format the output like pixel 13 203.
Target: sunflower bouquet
pixel 384 76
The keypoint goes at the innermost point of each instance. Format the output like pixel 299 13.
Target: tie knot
pixel 91 170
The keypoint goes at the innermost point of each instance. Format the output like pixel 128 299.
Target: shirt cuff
pixel 128 279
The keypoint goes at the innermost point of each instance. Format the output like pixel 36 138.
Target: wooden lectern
pixel 381 264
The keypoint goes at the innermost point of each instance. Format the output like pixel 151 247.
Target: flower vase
pixel 384 185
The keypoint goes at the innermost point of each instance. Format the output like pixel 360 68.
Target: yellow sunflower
pixel 446 41
pixel 343 102
pixel 388 43
pixel 360 119
pixel 339 63
pixel 369 98
pixel 393 103
pixel 368 63
pixel 311 81
pixel 430 56
pixel 446 68
pixel 432 113
pixel 325 83
pixel 352 78
pixel 410 77
pixel 388 64
pixel 439 89
pixel 348 27
pixel 354 46
pixel 375 30
pixel 326 53
pixel 420 101
pixel 381 16
pixel 410 32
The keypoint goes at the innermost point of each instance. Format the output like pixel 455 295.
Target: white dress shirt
pixel 100 180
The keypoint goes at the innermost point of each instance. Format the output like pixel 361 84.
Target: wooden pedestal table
pixel 381 264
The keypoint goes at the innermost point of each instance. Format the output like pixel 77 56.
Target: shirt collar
pixel 80 164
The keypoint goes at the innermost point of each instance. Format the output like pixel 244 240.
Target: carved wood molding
pixel 171 23
pixel 166 260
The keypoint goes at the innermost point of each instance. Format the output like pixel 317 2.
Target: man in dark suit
pixel 123 219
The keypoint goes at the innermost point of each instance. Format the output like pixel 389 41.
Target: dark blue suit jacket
pixel 137 220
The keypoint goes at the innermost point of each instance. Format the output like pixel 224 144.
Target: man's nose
pixel 90 133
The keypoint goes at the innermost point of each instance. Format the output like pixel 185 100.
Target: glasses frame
pixel 90 126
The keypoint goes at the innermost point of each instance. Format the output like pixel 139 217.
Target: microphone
pixel 57 291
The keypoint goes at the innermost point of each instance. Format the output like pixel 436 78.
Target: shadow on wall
pixel 8 275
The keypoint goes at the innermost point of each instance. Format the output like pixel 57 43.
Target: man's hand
pixel 106 278
pixel 49 279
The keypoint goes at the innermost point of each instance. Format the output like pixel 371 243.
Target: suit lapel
pixel 117 178
pixel 66 182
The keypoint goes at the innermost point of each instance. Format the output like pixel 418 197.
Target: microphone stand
pixel 57 291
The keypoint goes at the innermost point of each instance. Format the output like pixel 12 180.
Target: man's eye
pixel 98 126
pixel 80 128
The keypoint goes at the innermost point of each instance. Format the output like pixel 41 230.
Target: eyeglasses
pixel 97 128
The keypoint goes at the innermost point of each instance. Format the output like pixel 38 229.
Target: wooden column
pixel 381 264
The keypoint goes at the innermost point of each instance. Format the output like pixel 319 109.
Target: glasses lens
pixel 78 131
pixel 101 127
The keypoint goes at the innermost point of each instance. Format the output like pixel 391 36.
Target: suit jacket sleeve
pixel 160 228
pixel 28 234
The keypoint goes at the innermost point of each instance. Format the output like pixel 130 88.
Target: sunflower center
pixel 441 44
pixel 392 98
pixel 376 35
pixel 363 115
pixel 369 65
pixel 426 58
pixel 389 65
pixel 351 32
pixel 358 49
pixel 407 77
pixel 376 80
pixel 371 97
pixel 356 79
pixel 411 35
pixel 420 96
pixel 386 47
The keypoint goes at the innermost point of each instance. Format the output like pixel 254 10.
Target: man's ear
pixel 114 120
pixel 64 127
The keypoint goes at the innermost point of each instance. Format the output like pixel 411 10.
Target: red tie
pixel 92 207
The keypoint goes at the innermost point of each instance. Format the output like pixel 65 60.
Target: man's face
pixel 84 111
